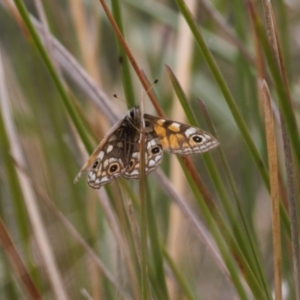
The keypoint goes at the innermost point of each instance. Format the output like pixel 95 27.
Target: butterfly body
pixel 118 154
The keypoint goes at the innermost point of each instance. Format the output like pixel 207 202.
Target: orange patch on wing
pixel 185 145
pixel 160 131
pixel 165 143
pixel 173 141
pixel 162 135
pixel 181 138
pixel 174 128
pixel 192 143
pixel 160 122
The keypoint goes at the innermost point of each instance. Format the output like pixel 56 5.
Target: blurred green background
pixel 79 243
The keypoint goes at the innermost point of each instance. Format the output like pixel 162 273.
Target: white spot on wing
pixel 101 155
pixel 176 125
pixel 134 172
pixel 157 158
pixel 105 164
pixel 152 142
pixel 104 179
pixel 190 131
pixel 109 148
pixel 151 163
pixel 135 154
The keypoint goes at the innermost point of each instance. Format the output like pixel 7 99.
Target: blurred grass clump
pixel 219 226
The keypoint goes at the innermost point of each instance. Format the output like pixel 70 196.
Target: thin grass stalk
pixel 188 294
pixel 159 278
pixel 225 90
pixel 274 185
pixel 29 196
pixel 18 205
pixel 17 263
pixel 144 214
pixel 293 208
pixel 130 256
pixel 289 164
pixel 45 25
pixel 94 222
pixel 134 231
pixel 131 252
pixel 181 96
pixel 284 32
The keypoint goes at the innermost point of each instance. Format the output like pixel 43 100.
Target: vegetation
pixel 223 225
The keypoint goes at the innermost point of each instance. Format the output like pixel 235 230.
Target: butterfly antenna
pixel 145 93
pixel 121 99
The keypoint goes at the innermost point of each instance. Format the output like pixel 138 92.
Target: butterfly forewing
pixel 180 138
pixel 111 158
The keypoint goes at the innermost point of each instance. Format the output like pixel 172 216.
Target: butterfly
pixel 118 154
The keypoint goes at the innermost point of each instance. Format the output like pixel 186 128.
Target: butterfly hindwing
pixel 153 155
pixel 108 165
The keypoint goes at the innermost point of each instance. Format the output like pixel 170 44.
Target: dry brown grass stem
pixel 17 263
pixel 274 186
pixel 273 39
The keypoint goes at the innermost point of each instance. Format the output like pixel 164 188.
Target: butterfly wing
pixel 153 154
pixel 108 161
pixel 179 138
pixel 107 165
